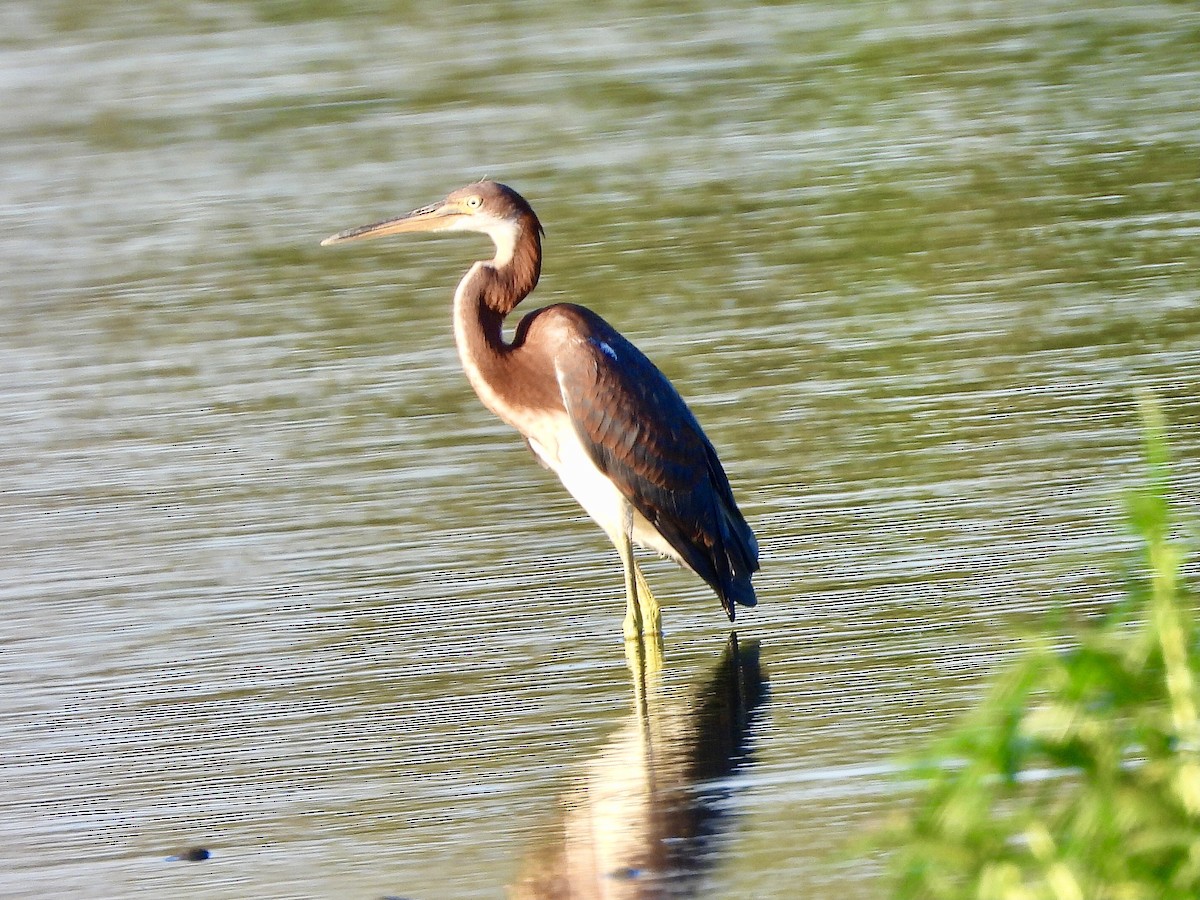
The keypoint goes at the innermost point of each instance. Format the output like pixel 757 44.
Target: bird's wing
pixel 641 434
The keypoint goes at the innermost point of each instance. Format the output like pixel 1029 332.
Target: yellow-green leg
pixel 642 613
pixel 644 657
pixel 633 611
pixel 651 613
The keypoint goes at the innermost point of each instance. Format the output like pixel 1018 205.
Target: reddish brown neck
pixel 505 282
pixel 485 296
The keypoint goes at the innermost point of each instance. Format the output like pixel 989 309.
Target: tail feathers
pixel 739 591
pixel 741 562
pixel 725 557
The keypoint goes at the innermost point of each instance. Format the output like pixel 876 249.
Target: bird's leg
pixel 642 614
pixel 651 613
pixel 633 611
pixel 648 645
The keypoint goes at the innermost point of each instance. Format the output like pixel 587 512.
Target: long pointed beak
pixel 427 218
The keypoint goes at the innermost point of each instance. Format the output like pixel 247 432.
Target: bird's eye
pixel 474 202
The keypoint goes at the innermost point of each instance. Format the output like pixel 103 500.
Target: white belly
pixel 559 447
pixel 553 439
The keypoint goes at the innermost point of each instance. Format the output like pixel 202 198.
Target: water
pixel 276 585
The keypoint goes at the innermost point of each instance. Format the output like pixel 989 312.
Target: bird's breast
pixel 548 434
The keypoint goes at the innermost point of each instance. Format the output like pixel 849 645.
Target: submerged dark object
pixel 192 854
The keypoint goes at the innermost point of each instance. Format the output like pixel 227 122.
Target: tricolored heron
pixel 591 406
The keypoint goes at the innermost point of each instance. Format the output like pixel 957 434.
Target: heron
pixel 591 407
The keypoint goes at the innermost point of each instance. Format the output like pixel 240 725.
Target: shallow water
pixel 276 585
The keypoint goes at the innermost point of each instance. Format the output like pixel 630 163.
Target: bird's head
pixel 487 207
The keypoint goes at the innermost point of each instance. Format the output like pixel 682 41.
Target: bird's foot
pixel 651 613
pixel 643 628
pixel 642 619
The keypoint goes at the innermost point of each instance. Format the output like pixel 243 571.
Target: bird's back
pixel 641 434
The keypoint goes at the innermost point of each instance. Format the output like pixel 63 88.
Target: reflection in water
pixel 640 821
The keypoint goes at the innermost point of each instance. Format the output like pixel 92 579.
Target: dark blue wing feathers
pixel 642 435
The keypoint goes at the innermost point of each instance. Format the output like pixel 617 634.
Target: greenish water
pixel 275 584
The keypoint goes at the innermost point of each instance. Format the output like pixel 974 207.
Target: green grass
pixel 1078 777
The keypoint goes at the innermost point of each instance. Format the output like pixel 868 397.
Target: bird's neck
pixel 513 272
pixel 491 289
pixel 485 296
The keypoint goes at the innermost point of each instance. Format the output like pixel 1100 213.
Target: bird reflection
pixel 641 819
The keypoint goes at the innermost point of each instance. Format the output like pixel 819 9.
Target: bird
pixel 591 407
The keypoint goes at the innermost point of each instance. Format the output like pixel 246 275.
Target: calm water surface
pixel 276 585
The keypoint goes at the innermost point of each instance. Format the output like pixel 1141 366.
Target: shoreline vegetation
pixel 1078 776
